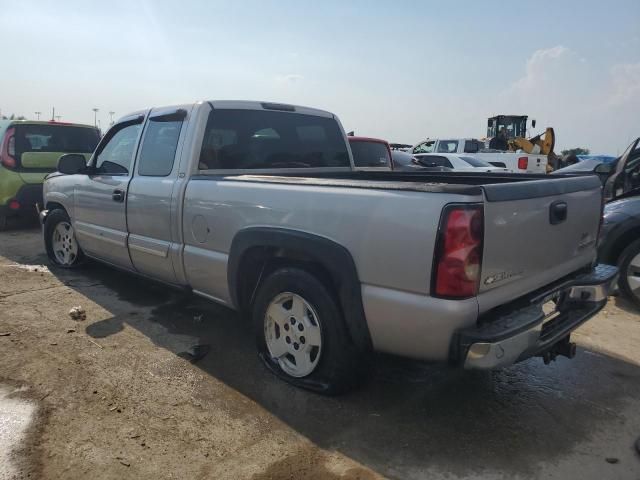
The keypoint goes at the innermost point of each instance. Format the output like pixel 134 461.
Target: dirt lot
pixel 117 396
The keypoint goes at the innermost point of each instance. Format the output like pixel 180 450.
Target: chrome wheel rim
pixel 64 244
pixel 633 276
pixel 293 334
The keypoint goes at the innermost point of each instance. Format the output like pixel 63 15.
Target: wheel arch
pixel 55 206
pixel 255 251
pixel 613 249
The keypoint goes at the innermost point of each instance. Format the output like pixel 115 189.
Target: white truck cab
pixel 518 162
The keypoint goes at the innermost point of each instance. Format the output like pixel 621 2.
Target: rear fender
pixel 333 257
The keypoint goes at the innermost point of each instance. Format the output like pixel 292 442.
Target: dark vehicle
pixel 618 177
pixel 404 161
pixel 620 242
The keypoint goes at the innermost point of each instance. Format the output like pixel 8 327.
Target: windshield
pixel 584 166
pixel 474 162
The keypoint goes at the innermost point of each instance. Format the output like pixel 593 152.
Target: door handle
pixel 118 195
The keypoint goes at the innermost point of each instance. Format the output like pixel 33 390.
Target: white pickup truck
pixel 258 206
pixel 513 161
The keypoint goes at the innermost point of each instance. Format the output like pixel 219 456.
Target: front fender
pixel 57 199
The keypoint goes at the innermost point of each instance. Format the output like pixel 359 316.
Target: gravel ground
pixel 124 394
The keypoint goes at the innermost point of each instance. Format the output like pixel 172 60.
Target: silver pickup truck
pixel 257 206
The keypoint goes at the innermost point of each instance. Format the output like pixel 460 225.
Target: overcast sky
pixel 400 70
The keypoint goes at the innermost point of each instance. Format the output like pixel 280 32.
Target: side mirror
pixel 533 123
pixel 603 169
pixel 72 163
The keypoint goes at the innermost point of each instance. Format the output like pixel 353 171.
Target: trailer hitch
pixel 564 347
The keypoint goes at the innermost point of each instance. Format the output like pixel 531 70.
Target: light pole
pixel 95 116
pixel 38 114
pixel 111 114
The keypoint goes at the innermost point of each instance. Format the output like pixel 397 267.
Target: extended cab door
pixel 153 209
pixel 100 197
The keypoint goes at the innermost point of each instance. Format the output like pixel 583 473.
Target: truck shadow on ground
pixel 410 416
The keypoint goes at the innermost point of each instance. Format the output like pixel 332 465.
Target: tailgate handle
pixel 557 212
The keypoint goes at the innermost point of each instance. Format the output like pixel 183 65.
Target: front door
pixel 100 197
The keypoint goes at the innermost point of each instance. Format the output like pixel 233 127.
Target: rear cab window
pixel 39 146
pixel 370 154
pixel 237 139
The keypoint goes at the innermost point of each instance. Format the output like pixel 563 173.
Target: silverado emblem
pixel 500 276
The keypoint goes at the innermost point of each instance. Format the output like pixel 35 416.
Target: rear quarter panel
pixel 390 234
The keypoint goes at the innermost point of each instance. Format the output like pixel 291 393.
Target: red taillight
pixel 458 259
pixel 14 205
pixel 8 151
pixel 523 163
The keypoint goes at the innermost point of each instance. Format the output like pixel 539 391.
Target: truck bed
pixel 496 186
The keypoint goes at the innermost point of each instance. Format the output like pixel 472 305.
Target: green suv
pixel 30 150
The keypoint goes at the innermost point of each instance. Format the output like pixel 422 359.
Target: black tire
pixel 54 218
pixel 339 366
pixel 624 264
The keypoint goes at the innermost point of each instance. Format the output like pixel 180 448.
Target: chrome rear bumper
pixel 526 331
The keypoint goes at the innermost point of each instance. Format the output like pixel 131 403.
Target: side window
pixel 425 147
pixel 116 156
pixel 447 146
pixel 471 146
pixel 159 147
pixel 435 161
pixel 443 161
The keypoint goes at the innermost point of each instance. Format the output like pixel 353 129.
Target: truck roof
pixel 240 105
pixel 6 123
pixel 262 105
pixel 367 139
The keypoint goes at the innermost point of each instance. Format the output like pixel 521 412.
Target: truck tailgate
pixel 536 232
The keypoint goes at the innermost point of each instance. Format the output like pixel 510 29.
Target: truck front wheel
pixel 60 240
pixel 301 335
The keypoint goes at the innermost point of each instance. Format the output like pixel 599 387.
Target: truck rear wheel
pixel 60 240
pixel 629 265
pixel 301 335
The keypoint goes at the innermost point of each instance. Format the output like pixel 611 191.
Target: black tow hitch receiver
pixel 564 347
